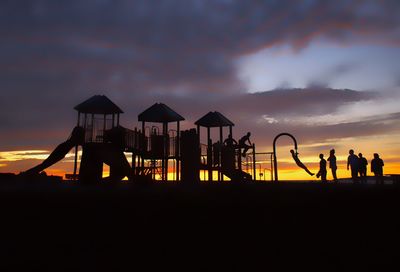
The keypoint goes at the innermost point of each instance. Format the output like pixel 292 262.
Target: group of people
pixel 357 165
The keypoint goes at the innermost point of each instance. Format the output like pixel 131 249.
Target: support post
pixel 221 140
pixel 143 148
pixel 104 128
pixel 92 130
pixel 178 151
pixel 209 155
pixel 254 161
pixel 165 159
pixel 274 150
pixel 76 150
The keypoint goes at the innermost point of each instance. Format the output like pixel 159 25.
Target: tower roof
pixel 160 113
pixel 214 119
pixel 98 104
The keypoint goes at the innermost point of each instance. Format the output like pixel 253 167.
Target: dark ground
pixel 230 227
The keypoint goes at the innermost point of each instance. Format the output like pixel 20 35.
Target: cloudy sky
pixel 326 71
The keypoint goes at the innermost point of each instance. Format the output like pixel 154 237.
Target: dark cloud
pixel 57 53
pixel 169 45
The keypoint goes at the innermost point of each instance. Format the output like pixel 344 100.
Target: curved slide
pixel 59 153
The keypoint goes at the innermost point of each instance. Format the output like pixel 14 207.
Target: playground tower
pixel 158 147
pixel 97 116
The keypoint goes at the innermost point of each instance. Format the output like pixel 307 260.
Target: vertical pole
pixel 76 149
pixel 199 159
pixel 166 144
pixel 198 134
pixel 117 119
pixel 104 128
pixel 134 150
pixel 113 117
pixel 220 176
pixel 209 155
pixel 254 162
pixel 272 165
pixel 163 153
pixel 92 132
pixel 239 159
pixel 133 162
pixel 275 167
pixel 143 148
pixel 178 151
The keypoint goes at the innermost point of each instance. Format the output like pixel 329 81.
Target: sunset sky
pixel 326 71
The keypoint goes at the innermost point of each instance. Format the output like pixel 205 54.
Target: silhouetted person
pixel 322 168
pixel 216 153
pixel 299 163
pixel 230 142
pixel 362 168
pixel 332 164
pixel 352 161
pixel 377 168
pixel 242 143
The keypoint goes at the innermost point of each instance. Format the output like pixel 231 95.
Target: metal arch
pixel 274 150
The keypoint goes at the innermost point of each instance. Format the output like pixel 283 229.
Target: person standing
pixel 362 167
pixel 352 162
pixel 242 143
pixel 332 164
pixel 322 168
pixel 377 168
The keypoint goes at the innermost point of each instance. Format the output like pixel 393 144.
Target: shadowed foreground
pixel 228 226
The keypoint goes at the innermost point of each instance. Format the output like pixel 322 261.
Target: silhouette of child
pixel 299 163
pixel 322 168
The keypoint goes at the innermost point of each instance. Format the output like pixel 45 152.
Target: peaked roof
pixel 214 119
pixel 160 113
pixel 98 104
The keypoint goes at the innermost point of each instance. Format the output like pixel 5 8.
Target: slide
pixel 237 175
pixel 119 165
pixel 229 166
pixel 59 153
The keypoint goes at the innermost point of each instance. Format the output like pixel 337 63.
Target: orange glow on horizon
pixel 386 145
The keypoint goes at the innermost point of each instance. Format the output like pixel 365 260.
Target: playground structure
pixel 159 142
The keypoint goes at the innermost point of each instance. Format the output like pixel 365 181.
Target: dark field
pixel 64 226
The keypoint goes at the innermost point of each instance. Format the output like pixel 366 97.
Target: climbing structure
pixel 159 146
pixel 154 147
pixel 99 117
pixel 102 141
pixel 224 159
